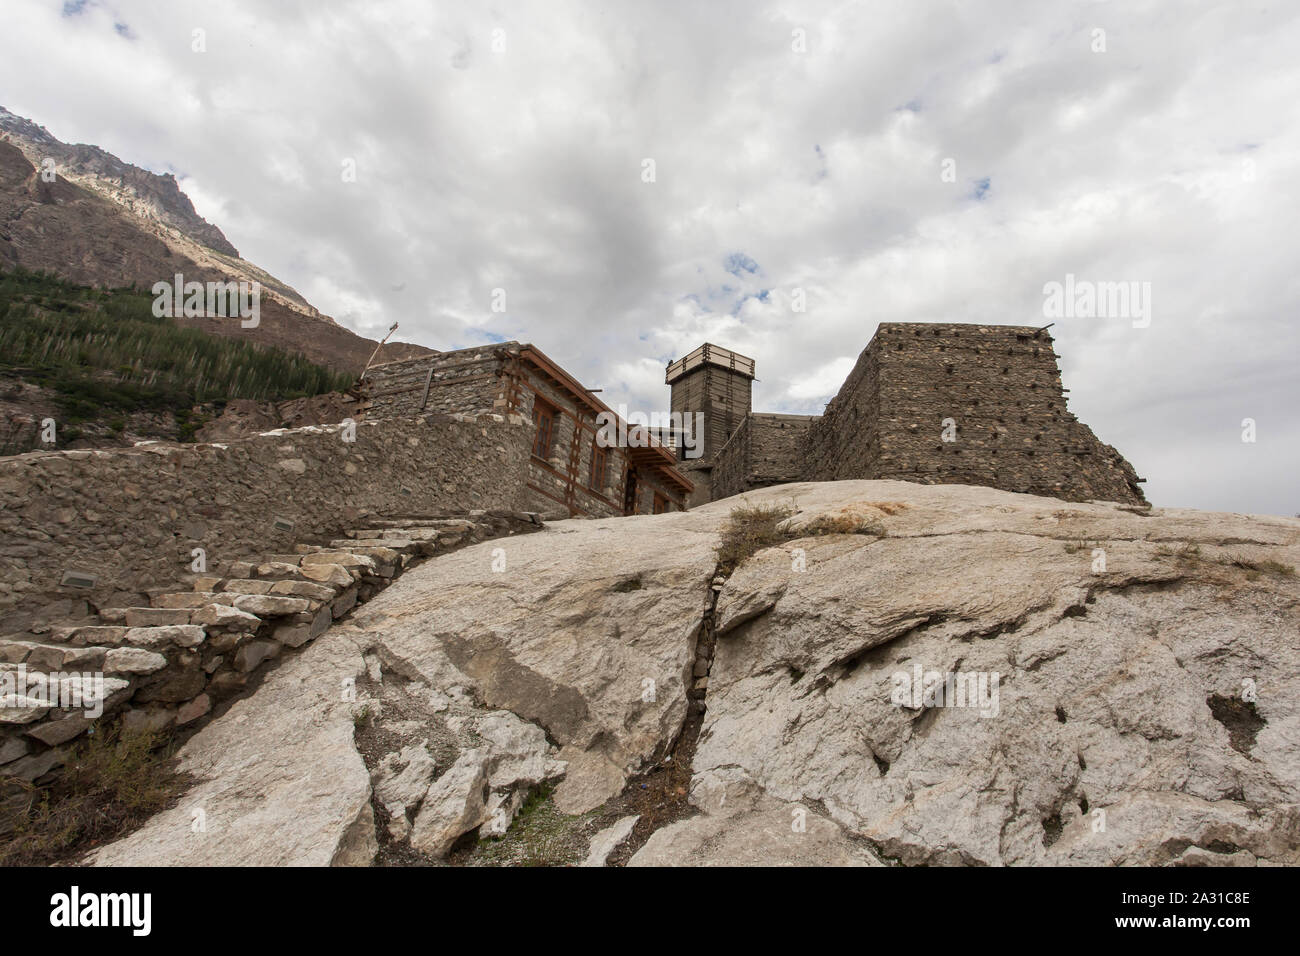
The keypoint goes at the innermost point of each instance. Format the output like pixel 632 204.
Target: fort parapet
pixel 942 403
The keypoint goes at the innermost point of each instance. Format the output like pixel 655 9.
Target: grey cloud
pixel 1170 158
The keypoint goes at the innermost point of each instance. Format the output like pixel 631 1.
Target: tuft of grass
pixel 361 716
pixel 844 523
pixel 1082 544
pixel 1263 567
pixel 1188 556
pixel 750 529
pixel 539 835
pixel 113 781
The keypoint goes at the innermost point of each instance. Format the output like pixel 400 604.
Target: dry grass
pixel 113 782
pixel 1081 544
pixel 750 529
pixel 846 522
pixel 1190 557
pixel 1262 567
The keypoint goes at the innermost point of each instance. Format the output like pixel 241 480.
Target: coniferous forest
pixel 103 355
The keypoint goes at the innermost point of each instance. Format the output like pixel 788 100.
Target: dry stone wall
pixel 765 450
pixel 941 403
pixel 965 404
pixel 464 382
pixel 130 519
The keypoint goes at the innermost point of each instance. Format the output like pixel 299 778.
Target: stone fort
pixel 177 572
pixel 932 403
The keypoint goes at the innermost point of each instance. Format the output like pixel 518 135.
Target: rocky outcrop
pixel 280 780
pixel 586 631
pixel 1123 691
pixel 147 195
pixel 1110 633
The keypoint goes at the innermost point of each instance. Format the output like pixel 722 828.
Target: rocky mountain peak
pixel 147 195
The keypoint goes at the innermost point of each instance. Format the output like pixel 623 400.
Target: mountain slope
pixel 106 223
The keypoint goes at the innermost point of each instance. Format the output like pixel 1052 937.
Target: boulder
pixel 278 777
pixel 607 840
pixel 454 804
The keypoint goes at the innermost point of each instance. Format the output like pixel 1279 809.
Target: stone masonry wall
pixel 731 464
pixel 844 442
pixel 1000 387
pixel 464 382
pixel 131 517
pixel 766 449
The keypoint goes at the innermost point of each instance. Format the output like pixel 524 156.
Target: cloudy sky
pixel 641 177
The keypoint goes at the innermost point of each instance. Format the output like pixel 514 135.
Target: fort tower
pixel 717 382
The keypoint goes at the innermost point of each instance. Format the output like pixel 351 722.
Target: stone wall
pixel 131 517
pixel 467 381
pixel 964 404
pixel 700 474
pixel 500 378
pixel 845 441
pixel 766 449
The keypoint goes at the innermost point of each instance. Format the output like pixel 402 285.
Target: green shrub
pixel 113 781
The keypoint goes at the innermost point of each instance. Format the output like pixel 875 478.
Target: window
pixel 596 481
pixel 661 503
pixel 545 416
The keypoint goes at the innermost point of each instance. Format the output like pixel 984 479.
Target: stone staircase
pixel 166 665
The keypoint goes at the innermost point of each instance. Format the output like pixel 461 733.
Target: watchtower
pixel 717 382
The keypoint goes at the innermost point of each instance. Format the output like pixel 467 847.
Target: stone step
pixel 274 605
pixel 154 638
pixel 345 559
pixel 97 634
pixel 403 545
pixel 429 524
pixel 50 658
pixel 276 569
pixel 311 590
pixel 219 614
pixel 243 586
pixel 144 616
pixel 183 599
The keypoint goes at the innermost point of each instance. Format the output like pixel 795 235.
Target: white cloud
pixel 1173 158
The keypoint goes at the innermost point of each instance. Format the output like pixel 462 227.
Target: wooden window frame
pixel 599 467
pixel 546 416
